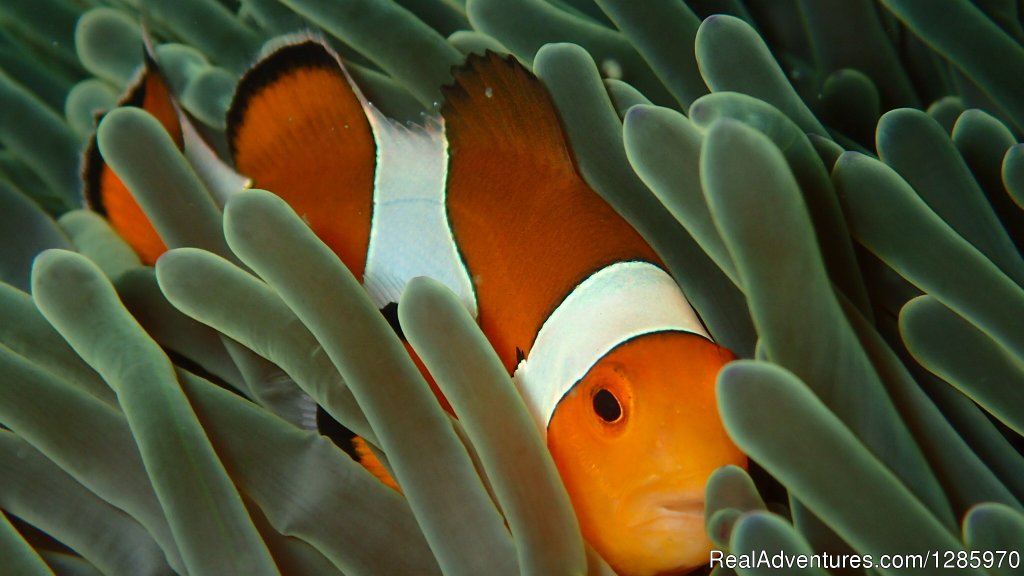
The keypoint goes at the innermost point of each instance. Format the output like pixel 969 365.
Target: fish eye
pixel 607 406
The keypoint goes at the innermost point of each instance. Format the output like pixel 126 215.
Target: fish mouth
pixel 671 526
pixel 662 524
pixel 671 511
pixel 685 506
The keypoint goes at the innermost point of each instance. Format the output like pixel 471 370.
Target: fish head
pixel 635 441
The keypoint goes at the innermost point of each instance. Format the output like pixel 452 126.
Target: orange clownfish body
pixel 104 191
pixel 613 363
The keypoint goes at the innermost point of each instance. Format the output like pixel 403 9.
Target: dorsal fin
pixel 104 191
pixel 297 127
pixel 496 106
pixel 529 228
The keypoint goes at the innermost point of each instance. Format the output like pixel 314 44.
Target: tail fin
pixel 373 465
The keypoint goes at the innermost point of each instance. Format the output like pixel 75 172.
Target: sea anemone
pixel 837 186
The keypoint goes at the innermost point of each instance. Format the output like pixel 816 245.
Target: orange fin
pixel 373 465
pixel 297 127
pixel 104 191
pixel 517 204
pixel 498 109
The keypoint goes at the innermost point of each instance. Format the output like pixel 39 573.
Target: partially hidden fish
pixel 105 193
pixel 616 368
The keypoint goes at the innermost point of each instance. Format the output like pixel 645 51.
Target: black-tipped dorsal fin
pixel 529 227
pixel 297 127
pixel 497 106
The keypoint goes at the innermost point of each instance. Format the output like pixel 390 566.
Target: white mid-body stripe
pixel 409 234
pixel 615 304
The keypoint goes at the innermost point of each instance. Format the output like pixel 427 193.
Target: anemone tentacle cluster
pixel 836 185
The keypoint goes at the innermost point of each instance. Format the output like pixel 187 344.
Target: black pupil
pixel 606 405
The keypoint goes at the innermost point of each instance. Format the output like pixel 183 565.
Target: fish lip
pixel 682 507
pixel 689 507
pixel 667 522
pixel 670 506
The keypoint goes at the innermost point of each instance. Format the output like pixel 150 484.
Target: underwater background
pixel 837 185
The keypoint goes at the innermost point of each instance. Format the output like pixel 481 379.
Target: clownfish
pixel 615 366
pixel 105 193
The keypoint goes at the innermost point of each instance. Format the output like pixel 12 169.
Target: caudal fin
pixel 373 465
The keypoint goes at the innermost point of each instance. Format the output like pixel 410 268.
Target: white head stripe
pixel 613 305
pixel 409 233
